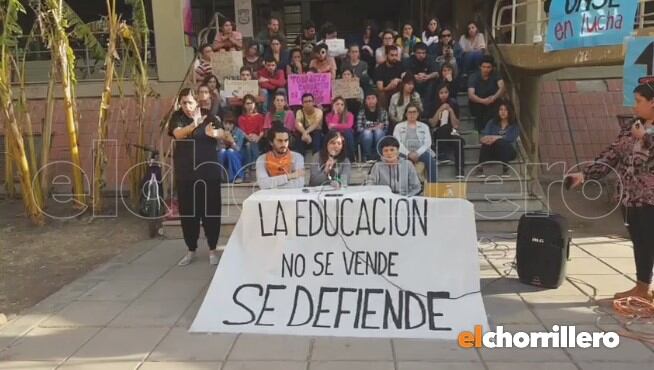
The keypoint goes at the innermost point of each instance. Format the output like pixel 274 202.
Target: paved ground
pixel 134 312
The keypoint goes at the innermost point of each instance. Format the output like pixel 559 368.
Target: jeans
pixel 232 161
pixel 639 220
pixel 431 164
pixel 471 61
pixel 350 144
pixel 250 153
pixel 369 139
pixel 315 146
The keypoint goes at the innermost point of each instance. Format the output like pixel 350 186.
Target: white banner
pixel 360 262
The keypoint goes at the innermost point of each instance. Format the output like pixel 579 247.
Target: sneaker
pixel 188 258
pixel 460 177
pixel 371 161
pixel 505 173
pixel 213 258
pixel 445 161
pixel 238 181
pixel 481 174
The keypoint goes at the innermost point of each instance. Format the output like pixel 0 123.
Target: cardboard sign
pixel 348 89
pixel 638 66
pixel 318 84
pixel 227 64
pixel 358 262
pixel 240 88
pixel 336 47
pixel 583 23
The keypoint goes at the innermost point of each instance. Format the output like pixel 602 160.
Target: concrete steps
pixel 499 202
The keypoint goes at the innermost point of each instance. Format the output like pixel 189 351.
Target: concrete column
pixel 528 13
pixel 173 56
pixel 528 91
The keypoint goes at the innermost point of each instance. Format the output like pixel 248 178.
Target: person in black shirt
pixel 196 168
pixel 485 87
pixel 389 76
pixel 425 72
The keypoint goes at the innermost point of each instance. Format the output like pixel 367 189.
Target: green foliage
pixel 9 12
pixel 83 32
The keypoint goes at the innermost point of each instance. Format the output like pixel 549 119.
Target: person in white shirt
pixel 415 141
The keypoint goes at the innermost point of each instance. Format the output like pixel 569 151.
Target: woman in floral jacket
pixel 631 156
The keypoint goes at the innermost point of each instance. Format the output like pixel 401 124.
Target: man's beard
pixel 281 151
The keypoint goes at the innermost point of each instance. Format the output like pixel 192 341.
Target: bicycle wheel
pixel 153 210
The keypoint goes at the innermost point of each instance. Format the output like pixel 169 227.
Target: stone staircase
pixel 499 202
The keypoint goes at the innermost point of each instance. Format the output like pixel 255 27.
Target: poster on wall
pixel 638 66
pixel 583 23
pixel 243 12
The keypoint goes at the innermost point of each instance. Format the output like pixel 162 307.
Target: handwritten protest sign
pixel 240 88
pixel 318 84
pixel 226 64
pixel 336 47
pixel 583 23
pixel 360 262
pixel 348 89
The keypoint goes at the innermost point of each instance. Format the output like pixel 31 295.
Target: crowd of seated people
pixel 406 116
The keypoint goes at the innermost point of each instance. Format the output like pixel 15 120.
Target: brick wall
pixel 588 109
pixel 88 108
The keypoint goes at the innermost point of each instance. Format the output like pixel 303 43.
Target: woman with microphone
pixel 197 173
pixel 631 155
pixel 331 167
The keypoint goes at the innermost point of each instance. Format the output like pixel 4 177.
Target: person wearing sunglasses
pixel 322 62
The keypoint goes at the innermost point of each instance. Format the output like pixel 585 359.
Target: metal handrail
pixel 501 8
pixel 39 52
pixel 213 25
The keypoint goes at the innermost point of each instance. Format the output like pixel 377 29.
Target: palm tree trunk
pixel 100 152
pixel 46 132
pixel 17 149
pixel 63 53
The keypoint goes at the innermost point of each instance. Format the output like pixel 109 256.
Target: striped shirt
pixel 202 69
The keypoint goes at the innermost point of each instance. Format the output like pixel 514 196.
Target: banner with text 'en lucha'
pixel 583 23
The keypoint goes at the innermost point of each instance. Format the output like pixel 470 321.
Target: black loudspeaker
pixel 542 249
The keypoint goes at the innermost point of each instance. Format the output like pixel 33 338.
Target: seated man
pixel 271 81
pixel 397 173
pixel 280 168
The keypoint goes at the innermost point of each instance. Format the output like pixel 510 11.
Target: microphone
pixel 332 171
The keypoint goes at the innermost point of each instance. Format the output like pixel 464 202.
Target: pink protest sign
pixel 318 84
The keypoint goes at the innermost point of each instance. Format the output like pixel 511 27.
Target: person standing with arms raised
pixel 197 174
